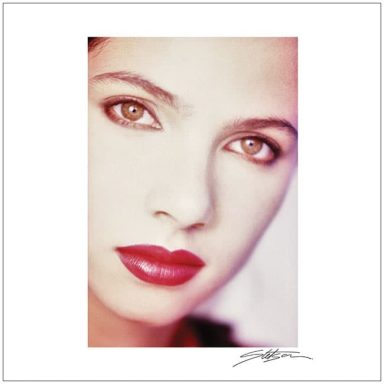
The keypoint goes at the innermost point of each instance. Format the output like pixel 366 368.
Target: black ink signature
pixel 270 355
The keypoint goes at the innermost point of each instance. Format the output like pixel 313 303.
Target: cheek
pixel 247 198
pixel 248 190
pixel 119 165
pixel 111 195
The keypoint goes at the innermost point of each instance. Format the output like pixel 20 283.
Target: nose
pixel 183 194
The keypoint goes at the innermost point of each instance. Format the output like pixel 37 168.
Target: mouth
pixel 157 265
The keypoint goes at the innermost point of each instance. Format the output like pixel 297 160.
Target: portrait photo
pixel 192 148
pixel 192 192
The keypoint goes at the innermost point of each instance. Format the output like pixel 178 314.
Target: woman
pixel 192 143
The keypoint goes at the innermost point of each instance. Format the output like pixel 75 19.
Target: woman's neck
pixel 107 329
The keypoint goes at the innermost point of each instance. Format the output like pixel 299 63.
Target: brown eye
pixel 251 145
pixel 254 148
pixel 132 111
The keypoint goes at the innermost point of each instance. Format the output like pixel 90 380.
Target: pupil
pixel 132 111
pixel 251 146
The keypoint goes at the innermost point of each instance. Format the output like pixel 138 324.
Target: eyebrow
pixel 138 81
pixel 262 123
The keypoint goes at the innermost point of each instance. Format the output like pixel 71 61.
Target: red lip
pixel 157 265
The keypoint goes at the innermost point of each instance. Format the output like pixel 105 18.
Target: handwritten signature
pixel 270 355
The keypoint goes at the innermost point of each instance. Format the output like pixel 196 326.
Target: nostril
pixel 187 209
pixel 196 226
pixel 165 215
pixel 161 213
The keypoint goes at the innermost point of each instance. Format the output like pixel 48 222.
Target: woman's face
pixel 192 142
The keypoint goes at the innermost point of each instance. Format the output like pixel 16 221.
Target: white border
pixel 45 189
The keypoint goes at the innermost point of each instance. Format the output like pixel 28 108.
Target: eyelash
pixel 268 145
pixel 113 108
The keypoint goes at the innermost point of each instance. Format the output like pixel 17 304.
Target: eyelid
pixel 275 146
pixel 271 143
pixel 112 101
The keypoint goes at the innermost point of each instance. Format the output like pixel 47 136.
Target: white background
pixel 45 176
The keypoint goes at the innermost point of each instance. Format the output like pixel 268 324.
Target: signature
pixel 270 355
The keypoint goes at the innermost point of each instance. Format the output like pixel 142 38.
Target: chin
pixel 156 315
pixel 153 307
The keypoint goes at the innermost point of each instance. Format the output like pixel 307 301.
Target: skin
pixel 183 180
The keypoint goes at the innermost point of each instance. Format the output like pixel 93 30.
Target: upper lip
pixel 157 265
pixel 162 255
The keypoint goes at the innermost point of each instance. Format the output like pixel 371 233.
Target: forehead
pixel 254 75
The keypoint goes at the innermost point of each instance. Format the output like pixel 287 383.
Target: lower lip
pixel 157 265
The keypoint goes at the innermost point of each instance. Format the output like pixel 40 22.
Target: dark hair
pixel 93 42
